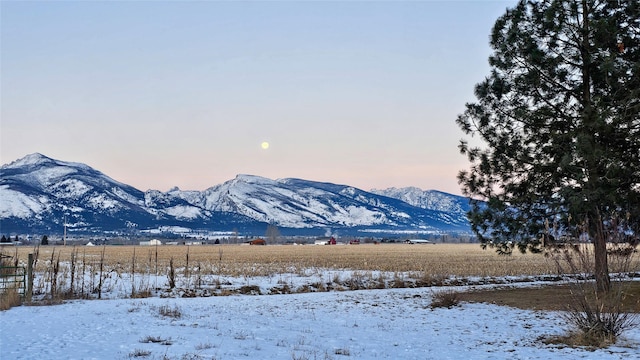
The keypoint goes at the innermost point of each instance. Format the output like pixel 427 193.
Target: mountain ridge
pixel 42 194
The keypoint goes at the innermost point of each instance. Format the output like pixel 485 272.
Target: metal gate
pixel 13 278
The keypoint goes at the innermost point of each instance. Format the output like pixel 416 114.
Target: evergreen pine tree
pixel 559 120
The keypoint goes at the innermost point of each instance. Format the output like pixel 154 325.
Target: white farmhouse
pixel 153 242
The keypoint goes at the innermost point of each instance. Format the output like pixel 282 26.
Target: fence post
pixel 29 278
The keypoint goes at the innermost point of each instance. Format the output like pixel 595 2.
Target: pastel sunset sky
pixel 157 94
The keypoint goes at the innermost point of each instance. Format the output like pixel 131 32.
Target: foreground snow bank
pixel 373 324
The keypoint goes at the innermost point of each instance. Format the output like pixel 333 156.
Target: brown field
pixel 81 271
pixel 549 297
pixel 462 260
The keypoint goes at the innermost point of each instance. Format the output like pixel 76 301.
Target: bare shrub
pixel 204 346
pixel 170 311
pixel 596 318
pixel 141 293
pixel 429 279
pixel 139 353
pixel 398 282
pixel 377 282
pixel 9 297
pixel 250 290
pixel 156 340
pixel 445 298
pixel 284 289
pixel 320 286
pixel 305 289
pixel 241 335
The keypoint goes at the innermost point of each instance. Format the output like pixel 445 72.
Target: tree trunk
pixel 601 265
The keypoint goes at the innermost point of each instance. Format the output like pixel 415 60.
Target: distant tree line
pixel 7 239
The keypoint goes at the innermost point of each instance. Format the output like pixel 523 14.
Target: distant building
pixel 326 241
pixel 153 242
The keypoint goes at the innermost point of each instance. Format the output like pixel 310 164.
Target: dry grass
pixel 9 298
pixel 198 270
pixel 552 297
pixel 170 311
pixel 445 298
pixel 85 272
pixel 9 291
pixel 433 261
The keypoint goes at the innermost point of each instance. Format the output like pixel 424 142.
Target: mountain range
pixel 42 195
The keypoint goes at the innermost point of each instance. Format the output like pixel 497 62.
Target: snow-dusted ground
pixel 366 324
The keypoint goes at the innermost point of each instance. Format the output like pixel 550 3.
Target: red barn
pixel 257 242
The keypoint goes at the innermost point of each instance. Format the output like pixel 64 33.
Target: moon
pixel 264 145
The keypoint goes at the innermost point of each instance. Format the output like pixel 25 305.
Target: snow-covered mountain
pixel 38 193
pixel 454 205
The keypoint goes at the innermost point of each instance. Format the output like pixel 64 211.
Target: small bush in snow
pixel 204 346
pixel 445 298
pixel 139 353
pixel 168 311
pixel 156 340
pixel 250 290
pixel 596 318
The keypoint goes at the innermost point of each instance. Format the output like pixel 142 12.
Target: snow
pixel 28 160
pixel 265 200
pixel 367 324
pixel 168 229
pixel 70 189
pixel 254 179
pixel 15 203
pixel 182 212
pixel 358 215
pixel 122 194
pixel 46 176
pixel 102 201
pixel 427 199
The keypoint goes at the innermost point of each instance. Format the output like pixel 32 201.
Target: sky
pixel 157 94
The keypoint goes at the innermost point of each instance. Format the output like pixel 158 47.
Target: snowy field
pixel 365 324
